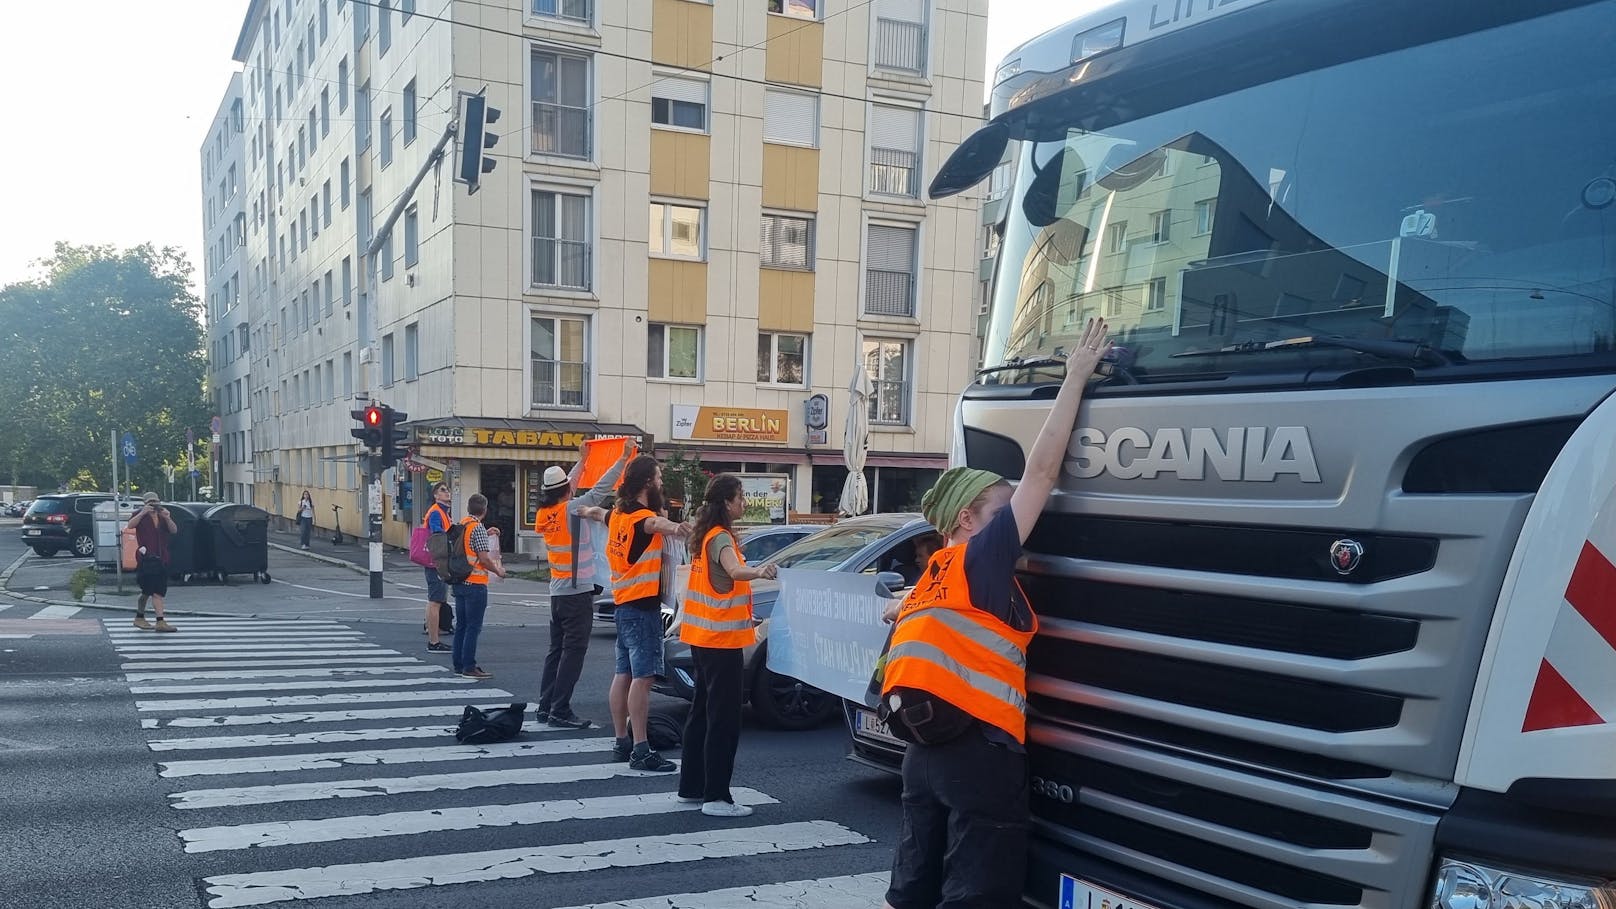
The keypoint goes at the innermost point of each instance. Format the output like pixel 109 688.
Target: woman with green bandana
pixel 953 680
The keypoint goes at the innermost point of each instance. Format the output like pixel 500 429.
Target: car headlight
pixel 1468 885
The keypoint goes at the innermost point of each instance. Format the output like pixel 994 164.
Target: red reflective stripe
pixel 1592 591
pixel 1556 705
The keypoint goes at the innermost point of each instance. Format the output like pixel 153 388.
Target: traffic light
pixel 393 438
pixel 475 115
pixel 369 432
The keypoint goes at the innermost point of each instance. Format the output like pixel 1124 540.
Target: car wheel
pixel 44 552
pixel 783 702
pixel 83 545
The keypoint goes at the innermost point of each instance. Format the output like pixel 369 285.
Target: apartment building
pixel 703 216
pixel 224 227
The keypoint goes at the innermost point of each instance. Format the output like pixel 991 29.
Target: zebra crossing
pixel 302 762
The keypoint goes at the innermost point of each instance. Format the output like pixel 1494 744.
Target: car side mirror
pixel 889 584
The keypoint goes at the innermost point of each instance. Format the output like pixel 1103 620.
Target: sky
pixel 107 103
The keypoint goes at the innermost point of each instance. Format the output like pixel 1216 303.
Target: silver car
pixel 871 544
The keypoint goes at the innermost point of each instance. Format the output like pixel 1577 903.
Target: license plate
pixel 869 724
pixel 1080 894
pixel 32 533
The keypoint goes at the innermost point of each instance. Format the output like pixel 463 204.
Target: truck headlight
pixel 1468 885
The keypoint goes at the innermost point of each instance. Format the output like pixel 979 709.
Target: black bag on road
pixel 484 727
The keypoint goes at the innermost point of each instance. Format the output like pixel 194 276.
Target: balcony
pixel 889 293
pixel 893 172
pixel 900 46
pixel 561 130
pixel 563 264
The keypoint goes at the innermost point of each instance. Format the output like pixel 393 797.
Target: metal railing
pixel 561 263
pixel 560 129
pixel 560 383
pixel 575 10
pixel 889 293
pixel 893 172
pixel 900 45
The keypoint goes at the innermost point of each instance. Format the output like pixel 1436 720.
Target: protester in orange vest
pixel 953 680
pixel 572 531
pixel 437 520
pixel 634 551
pixel 471 595
pixel 717 624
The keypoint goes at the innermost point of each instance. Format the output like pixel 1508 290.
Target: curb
pixel 5 589
pixel 329 560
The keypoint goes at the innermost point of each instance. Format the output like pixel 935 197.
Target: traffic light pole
pixel 374 502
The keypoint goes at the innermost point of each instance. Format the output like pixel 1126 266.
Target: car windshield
pixel 829 547
pixel 1310 222
pixel 48 506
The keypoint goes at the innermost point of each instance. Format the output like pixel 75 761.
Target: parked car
pixel 757 544
pixel 869 545
pixel 18 509
pixel 58 522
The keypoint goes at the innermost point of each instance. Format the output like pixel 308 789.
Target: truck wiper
pixel 1406 351
pixel 1108 366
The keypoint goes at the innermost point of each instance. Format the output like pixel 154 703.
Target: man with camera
pixel 153 526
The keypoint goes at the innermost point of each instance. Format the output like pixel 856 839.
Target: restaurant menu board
pixel 532 485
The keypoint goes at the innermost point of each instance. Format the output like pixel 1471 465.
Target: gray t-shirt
pixel 587 537
pixel 716 574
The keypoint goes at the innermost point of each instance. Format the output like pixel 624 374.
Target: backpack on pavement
pixel 484 727
pixel 449 554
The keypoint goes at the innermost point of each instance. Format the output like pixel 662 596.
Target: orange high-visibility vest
pixel 552 524
pixel 713 619
pixel 427 520
pixel 947 647
pixel 478 575
pixel 633 580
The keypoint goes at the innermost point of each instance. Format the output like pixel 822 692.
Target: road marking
pixel 313 700
pixel 266 664
pixel 297 686
pixel 238 796
pixel 314 716
pixel 330 760
pixel 245 624
pixel 279 673
pixel 258 888
pixel 323 737
pixel 411 823
pixel 341 593
pixel 853 891
pixel 58 612
pixel 244 637
pixel 182 652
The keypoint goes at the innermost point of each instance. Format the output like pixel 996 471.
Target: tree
pixel 102 341
pixel 684 481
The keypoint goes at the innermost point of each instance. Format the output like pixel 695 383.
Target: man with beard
pixel 634 550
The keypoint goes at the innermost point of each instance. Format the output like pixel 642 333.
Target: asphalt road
pixel 247 761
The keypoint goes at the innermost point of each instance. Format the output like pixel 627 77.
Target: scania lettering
pixel 1326 584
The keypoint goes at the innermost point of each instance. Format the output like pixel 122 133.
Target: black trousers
pixel 571 617
pixel 963 841
pixel 713 730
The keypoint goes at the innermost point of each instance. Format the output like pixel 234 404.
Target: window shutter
pixel 790 118
pixel 892 249
pixel 902 10
pixel 677 89
pixel 897 128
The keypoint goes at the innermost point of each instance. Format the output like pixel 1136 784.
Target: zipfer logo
pixel 1258 454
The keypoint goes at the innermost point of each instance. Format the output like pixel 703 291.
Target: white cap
pixel 555 477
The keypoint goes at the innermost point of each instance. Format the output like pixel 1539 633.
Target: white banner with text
pixel 826 630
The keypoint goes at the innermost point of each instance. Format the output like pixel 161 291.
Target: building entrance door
pixel 498 485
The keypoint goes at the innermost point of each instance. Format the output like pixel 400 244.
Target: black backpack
pixel 448 551
pixel 484 727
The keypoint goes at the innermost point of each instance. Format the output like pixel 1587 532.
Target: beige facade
pixel 694 205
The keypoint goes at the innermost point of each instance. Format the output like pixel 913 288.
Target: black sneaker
pixel 623 752
pixel 570 722
pixel 541 715
pixel 439 647
pixel 653 762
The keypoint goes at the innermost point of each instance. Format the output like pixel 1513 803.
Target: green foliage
pixel 102 340
pixel 683 478
pixel 82 581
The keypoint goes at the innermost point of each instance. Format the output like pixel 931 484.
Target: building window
pixel 782 359
pixel 387 257
pixel 384 27
pixel 342 85
pixel 325 112
pixel 561 240
pixel 790 118
pixel 900 36
pixel 407 9
pixel 1113 302
pixel 1161 226
pixel 409 113
pixel 345 178
pixel 387 359
pixel 385 139
pixel 801 9
pixel 1206 211
pixel 561 92
pixel 676 231
pixel 330 296
pixel 347 280
pixel 1116 237
pixel 894 150
pixel 674 353
pixel 412 237
pixel 347 375
pixel 679 103
pixel 580 11
pixel 887 363
pixel 889 283
pixel 788 242
pixel 412 352
pixel 325 204
pixel 557 357
pixel 362 116
pixel 1156 295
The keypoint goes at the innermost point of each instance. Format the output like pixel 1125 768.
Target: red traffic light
pixel 373 416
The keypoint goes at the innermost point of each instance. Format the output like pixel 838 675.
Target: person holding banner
pixel 953 682
pixel 717 625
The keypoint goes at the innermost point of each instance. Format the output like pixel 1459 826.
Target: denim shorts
pixel 436 590
pixel 639 641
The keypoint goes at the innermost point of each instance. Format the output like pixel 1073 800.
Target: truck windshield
pixel 1457 196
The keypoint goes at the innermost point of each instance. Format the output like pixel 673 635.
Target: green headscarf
pixel 957 488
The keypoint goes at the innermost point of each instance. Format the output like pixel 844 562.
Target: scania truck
pixel 1327 595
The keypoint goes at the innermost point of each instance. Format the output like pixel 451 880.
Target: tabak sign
pixel 502 438
pixel 729 424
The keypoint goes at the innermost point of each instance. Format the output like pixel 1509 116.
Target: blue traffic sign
pixel 128 446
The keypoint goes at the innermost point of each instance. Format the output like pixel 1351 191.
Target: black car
pixel 58 522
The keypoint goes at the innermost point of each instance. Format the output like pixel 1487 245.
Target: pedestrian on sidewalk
pixel 717 625
pixel 153 525
pixel 438 520
pixel 954 679
pixel 634 550
pixel 574 529
pixel 305 518
pixel 471 595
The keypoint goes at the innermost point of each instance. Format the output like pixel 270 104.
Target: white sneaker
pixel 725 809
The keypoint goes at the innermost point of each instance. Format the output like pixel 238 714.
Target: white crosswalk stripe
pixel 330 709
pixel 57 612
